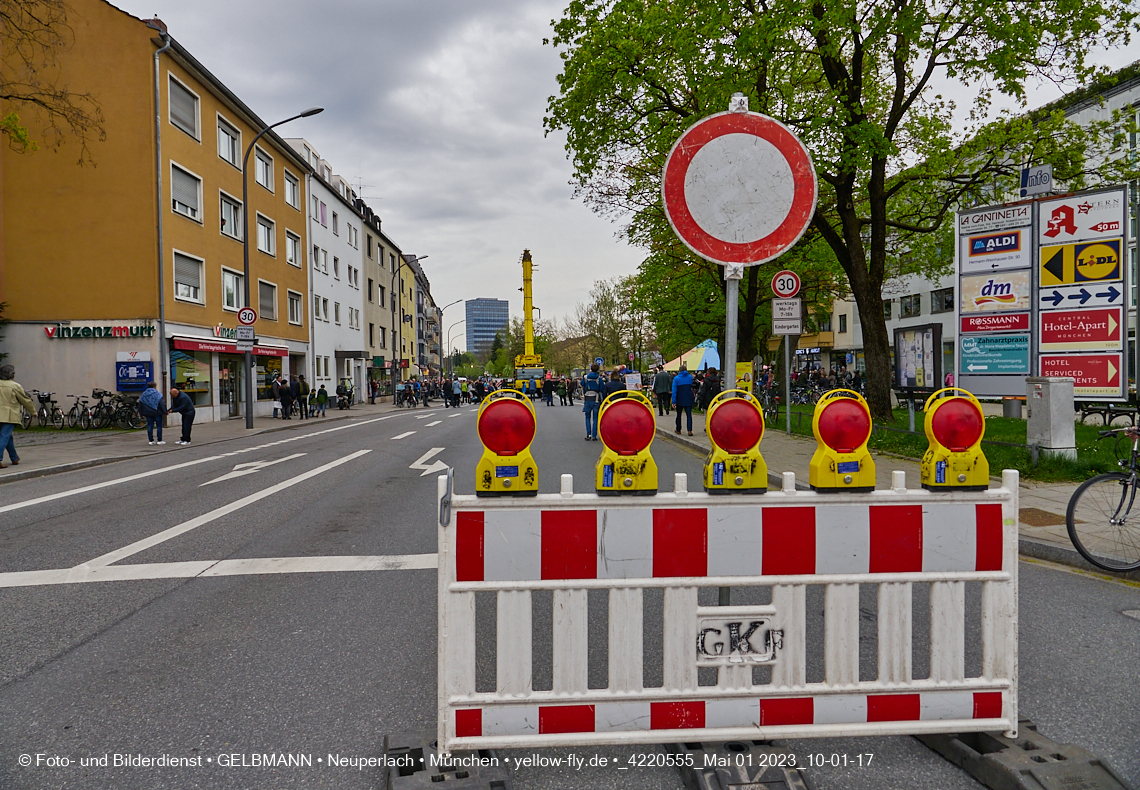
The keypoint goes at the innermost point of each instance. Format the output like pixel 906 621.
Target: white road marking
pixel 203 568
pixel 213 515
pixel 403 435
pixel 250 467
pixel 437 422
pixel 425 416
pixel 435 467
pixel 141 475
pixel 457 415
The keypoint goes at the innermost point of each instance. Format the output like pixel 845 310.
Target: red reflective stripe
pixel 794 710
pixel 676 715
pixel 896 538
pixel 894 707
pixel 680 542
pixel 788 540
pixel 565 718
pixel 468 723
pixel 989 538
pixel 469 546
pixel 569 544
pixel 987 704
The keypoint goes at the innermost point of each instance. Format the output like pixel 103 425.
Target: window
pixel 292 190
pixel 187 278
pixel 369 244
pixel 325 261
pixel 233 290
pixel 942 300
pixel 316 257
pixel 265 235
pixel 327 174
pixel 296 311
pixel 183 108
pixel 231 218
pixel 910 306
pixel 263 169
pixel 380 294
pixel 336 224
pixel 372 335
pixel 267 301
pixel 326 367
pixel 229 143
pixel 369 289
pixel 324 215
pixel 392 261
pixel 336 267
pixel 316 307
pixel 325 308
pixel 354 237
pixel 316 208
pixel 336 312
pixel 843 322
pixel 184 189
pixel 292 248
pixel 383 337
pixel 886 309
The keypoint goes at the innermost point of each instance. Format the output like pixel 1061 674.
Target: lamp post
pixel 245 250
pixel 449 355
pixel 441 311
pixel 398 329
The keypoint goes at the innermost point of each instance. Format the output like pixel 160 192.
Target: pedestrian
pixel 13 403
pixel 275 390
pixel 152 406
pixel 295 394
pixel 456 392
pixel 286 401
pixel 571 388
pixel 710 388
pixel 303 390
pixel 562 391
pixel 662 387
pixel 593 390
pixel 615 384
pixel 548 391
pixel 180 402
pixel 683 396
pixel 322 400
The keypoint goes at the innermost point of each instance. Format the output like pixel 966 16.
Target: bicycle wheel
pixel 99 416
pixel 73 417
pixel 1103 520
pixel 25 419
pixel 134 417
pixel 85 419
pixel 57 420
pixel 42 416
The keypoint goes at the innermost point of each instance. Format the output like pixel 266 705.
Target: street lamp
pixel 399 328
pixel 245 250
pixel 450 357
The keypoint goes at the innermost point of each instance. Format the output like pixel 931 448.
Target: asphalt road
pixel 283 650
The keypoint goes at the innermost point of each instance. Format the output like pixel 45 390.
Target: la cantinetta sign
pixel 60 331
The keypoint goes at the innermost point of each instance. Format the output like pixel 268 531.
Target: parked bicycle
pixel 102 412
pixel 127 414
pixel 770 405
pixel 49 412
pixel 1099 518
pixel 79 416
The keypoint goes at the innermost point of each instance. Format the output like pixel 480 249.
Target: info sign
pixel 787 317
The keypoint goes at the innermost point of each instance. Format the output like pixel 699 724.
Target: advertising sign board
pixel 1084 295
pixel 996 322
pixel 1082 217
pixel 996 291
pixel 133 376
pixel 995 218
pixel 1095 262
pixel 1080 330
pixel 994 354
pixel 1094 374
pixel 994 250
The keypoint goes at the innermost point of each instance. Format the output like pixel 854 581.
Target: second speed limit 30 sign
pixel 247 316
pixel 786 284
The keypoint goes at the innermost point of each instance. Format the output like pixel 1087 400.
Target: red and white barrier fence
pixel 788 541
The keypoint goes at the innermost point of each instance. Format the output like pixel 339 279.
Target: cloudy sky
pixel 435 107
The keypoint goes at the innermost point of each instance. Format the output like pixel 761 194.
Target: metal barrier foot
pixel 411 761
pixel 1029 762
pixel 724 766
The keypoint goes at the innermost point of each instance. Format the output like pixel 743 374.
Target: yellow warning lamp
pixel 842 426
pixel 955 427
pixel 735 426
pixel 626 426
pixel 506 428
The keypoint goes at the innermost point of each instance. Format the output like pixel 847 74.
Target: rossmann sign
pixel 59 331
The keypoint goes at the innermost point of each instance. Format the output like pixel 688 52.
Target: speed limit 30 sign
pixel 786 284
pixel 247 316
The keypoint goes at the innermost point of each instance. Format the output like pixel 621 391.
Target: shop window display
pixel 190 372
pixel 267 368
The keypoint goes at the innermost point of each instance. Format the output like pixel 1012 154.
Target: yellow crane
pixel 528 365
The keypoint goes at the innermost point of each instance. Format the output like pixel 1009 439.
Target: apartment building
pixel 139 258
pixel 378 257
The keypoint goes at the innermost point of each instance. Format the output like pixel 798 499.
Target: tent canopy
pixel 703 355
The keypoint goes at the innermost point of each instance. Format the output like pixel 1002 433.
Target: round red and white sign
pixel 739 188
pixel 786 284
pixel 247 316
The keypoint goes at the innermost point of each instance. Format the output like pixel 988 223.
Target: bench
pixel 916 395
pixel 1108 412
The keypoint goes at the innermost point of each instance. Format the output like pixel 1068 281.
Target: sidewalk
pixel 1042 505
pixel 50 453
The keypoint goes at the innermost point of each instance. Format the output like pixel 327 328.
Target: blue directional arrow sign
pixel 1068 296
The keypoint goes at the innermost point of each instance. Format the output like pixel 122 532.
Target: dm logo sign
pixel 1000 291
pixel 994 243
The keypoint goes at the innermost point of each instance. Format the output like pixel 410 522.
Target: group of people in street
pixel 296 391
pixel 564 387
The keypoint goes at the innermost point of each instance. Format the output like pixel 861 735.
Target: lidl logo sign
pixel 1066 264
pixel 999 242
pixel 996 292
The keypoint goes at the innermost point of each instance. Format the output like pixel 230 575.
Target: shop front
pixel 212 373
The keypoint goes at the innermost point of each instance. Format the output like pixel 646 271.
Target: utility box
pixel 1051 423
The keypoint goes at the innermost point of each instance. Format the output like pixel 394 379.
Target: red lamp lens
pixel 506 427
pixel 957 424
pixel 627 427
pixel 735 426
pixel 844 425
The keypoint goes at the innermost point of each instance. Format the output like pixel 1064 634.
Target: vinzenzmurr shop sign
pixel 59 331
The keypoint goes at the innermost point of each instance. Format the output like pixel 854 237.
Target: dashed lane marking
pixel 403 435
pixel 437 422
pixel 206 568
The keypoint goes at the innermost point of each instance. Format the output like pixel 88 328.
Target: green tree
pixel 33 33
pixel 853 79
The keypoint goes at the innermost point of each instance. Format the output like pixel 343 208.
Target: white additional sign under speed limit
pixel 786 317
pixel 786 284
pixel 247 316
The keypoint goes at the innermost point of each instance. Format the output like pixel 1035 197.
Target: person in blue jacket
pixel 593 390
pixel 683 397
pixel 180 403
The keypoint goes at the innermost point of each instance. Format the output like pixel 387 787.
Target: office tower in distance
pixel 485 318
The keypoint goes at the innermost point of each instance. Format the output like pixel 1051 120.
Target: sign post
pixel 787 319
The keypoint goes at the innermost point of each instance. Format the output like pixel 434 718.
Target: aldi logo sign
pixel 996 242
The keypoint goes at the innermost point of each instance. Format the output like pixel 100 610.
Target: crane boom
pixel 528 365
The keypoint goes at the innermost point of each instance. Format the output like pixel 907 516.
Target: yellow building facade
pixel 95 301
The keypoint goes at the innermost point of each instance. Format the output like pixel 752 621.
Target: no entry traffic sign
pixel 739 188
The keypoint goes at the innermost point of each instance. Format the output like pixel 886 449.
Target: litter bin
pixel 1011 407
